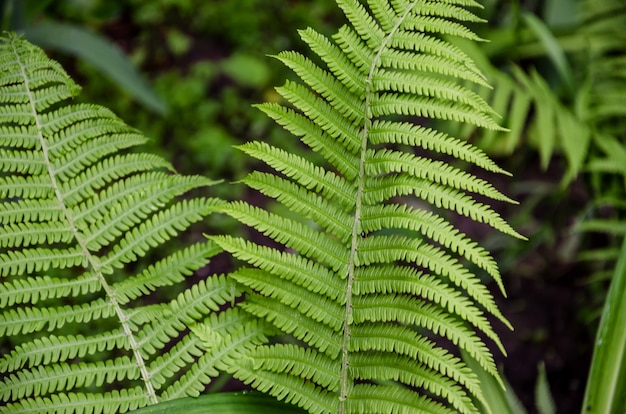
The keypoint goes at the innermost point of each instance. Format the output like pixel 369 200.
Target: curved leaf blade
pixel 101 53
pixel 223 403
pixel 607 379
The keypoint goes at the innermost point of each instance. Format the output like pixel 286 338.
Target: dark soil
pixel 550 301
pixel 544 314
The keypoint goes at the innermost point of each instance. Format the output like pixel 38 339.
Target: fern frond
pixel 366 271
pixel 76 210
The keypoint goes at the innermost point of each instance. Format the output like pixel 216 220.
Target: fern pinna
pixel 82 329
pixel 372 284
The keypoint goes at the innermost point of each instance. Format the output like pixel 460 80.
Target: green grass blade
pixel 606 385
pixel 100 53
pixel 223 403
pixel 553 49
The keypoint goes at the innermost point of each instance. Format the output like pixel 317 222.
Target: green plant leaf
pixel 553 49
pixel 223 403
pixel 246 70
pixel 561 13
pixel 607 378
pixel 101 53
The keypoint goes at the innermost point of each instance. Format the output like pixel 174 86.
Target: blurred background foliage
pixel 558 68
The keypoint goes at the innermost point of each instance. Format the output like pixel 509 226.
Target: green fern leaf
pixel 76 210
pixel 366 265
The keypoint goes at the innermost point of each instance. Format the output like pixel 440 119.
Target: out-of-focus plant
pixel 504 400
pixel 209 73
pixel 29 17
pixel 606 385
pixel 559 85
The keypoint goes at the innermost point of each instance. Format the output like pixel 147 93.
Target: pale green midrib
pixel 345 380
pixel 93 261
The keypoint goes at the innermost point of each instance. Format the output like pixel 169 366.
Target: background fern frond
pixel 81 314
pixel 566 109
pixel 365 264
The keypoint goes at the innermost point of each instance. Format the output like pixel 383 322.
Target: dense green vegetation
pixel 557 70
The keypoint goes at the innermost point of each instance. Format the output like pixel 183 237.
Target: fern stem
pixel 93 261
pixel 345 379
